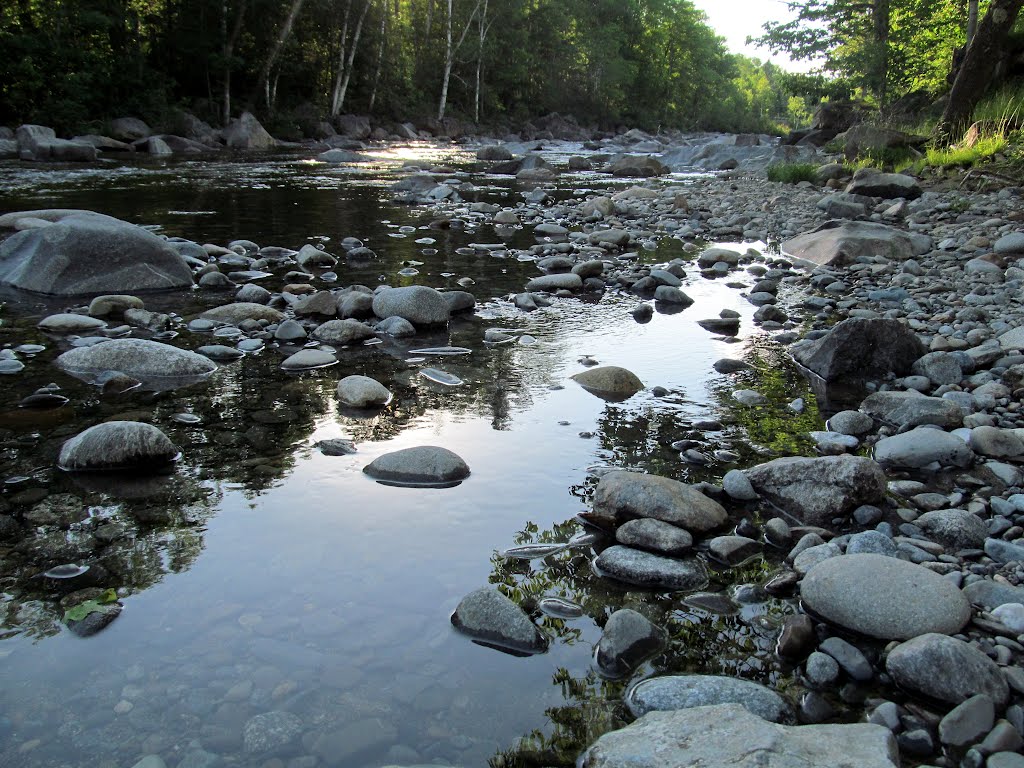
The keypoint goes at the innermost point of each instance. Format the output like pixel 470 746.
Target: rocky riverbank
pixel 902 536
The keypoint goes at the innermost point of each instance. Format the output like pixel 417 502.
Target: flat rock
pixel 840 242
pixel 342 332
pixel 654 536
pixel 623 496
pixel 139 358
pixel 82 252
pixel 424 465
pixel 921 447
pixel 816 490
pixel 884 597
pixel 991 594
pixel 308 359
pixel 728 736
pixel 67 322
pixel 118 445
pixel 609 382
pixel 568 281
pixel 644 569
pixel 489 616
pixel 235 313
pixel 860 348
pixel 946 669
pixel 912 409
pixel 674 692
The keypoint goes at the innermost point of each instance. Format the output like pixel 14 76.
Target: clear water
pixel 265 576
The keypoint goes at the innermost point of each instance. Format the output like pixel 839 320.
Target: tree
pixel 450 50
pixel 263 82
pixel 979 65
pixel 344 71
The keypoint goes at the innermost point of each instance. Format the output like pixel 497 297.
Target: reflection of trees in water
pixel 700 642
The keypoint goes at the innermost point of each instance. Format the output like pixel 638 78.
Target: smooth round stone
pixel 884 597
pixel 290 330
pixel 67 322
pixel 140 358
pixel 609 382
pixel 117 445
pixel 643 569
pixel 362 392
pixel 654 536
pixel 687 691
pixel 220 352
pixel 308 359
pixel 425 465
pixel 11 366
pixel 922 446
pixel 738 486
pixel 492 618
pixel 250 345
pixel 946 669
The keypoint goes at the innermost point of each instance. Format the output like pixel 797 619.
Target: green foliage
pixel 792 173
pixel 83 609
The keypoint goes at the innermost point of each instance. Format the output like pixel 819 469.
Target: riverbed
pixel 265 577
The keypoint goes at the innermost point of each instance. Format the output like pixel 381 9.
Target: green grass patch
pixel 793 173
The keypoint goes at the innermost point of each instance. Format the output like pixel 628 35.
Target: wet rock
pixel 912 409
pixel 396 327
pixel 921 447
pixel 420 305
pixel 459 301
pixel 342 332
pixel 270 732
pixel 66 322
pixel 220 352
pixel 290 330
pixel 309 359
pixel 729 735
pixel 628 638
pixel 946 669
pixel 321 303
pixel 336 447
pixel 797 638
pixel 818 489
pixel 116 445
pixel 733 550
pixel 113 305
pixel 489 616
pixel 238 312
pixel 623 496
pixel 667 294
pixel 83 252
pixel 423 465
pixel 644 569
pixel 609 382
pixel 738 486
pixel 356 740
pixel 362 392
pixel 563 281
pixel 954 529
pixel 726 326
pixel 96 621
pixel 859 348
pixel 654 536
pixel 884 597
pixel 840 242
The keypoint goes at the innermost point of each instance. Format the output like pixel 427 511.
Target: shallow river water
pixel 265 577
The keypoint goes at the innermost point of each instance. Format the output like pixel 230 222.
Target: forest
pixel 73 64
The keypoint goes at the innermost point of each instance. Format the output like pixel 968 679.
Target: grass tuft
pixel 793 173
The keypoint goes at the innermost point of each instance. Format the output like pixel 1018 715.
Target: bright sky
pixel 735 20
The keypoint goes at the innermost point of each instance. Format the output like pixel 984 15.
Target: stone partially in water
pixel 643 569
pixel 362 392
pixel 139 358
pixel 425 465
pixel 884 597
pixel 860 348
pixel 487 615
pixel 533 551
pixel 117 445
pixel 308 360
pixel 687 691
pixel 622 496
pixel 559 608
pixel 67 322
pixel 628 638
pixel 420 305
pixel 609 382
pixel 243 310
pixel 440 377
pixel 66 571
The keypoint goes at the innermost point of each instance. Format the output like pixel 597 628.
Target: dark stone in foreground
pixel 425 465
pixel 861 348
pixel 489 616
pixel 118 445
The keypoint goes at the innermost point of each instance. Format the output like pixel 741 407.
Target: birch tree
pixel 451 49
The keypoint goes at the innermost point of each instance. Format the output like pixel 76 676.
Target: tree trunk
pixel 229 50
pixel 972 20
pixel 484 27
pixel 352 55
pixel 262 84
pixel 380 55
pixel 880 18
pixel 978 67
pixel 449 56
pixel 340 72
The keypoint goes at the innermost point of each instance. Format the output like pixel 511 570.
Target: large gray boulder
pixel 946 669
pixel 873 183
pixel 923 446
pixel 362 392
pixel 815 490
pixel 493 619
pixel 129 129
pixel 138 358
pixel 688 691
pixel 246 132
pixel 860 348
pixel 840 242
pixel 912 409
pixel 424 465
pixel 884 597
pixel 728 736
pixel 37 142
pixel 623 496
pixel 82 252
pixel 420 305
pixel 118 445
